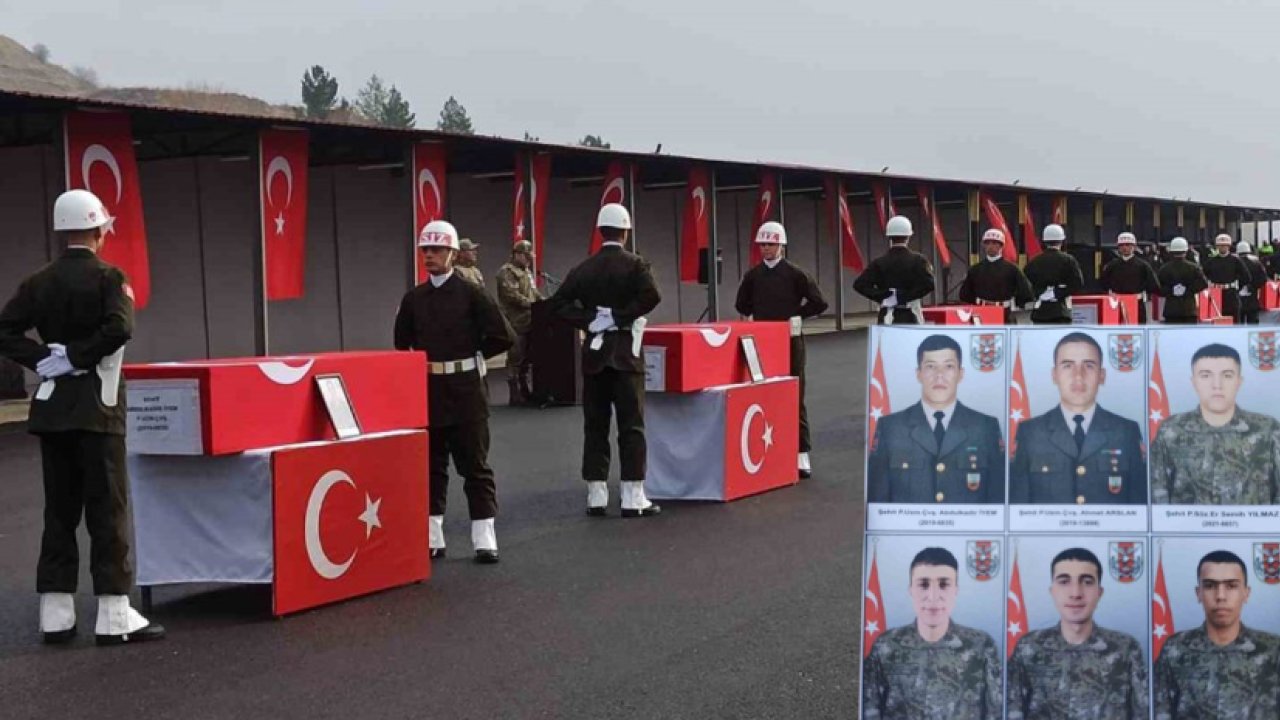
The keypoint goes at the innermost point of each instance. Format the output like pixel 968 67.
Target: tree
pixel 372 98
pixel 395 113
pixel 86 74
pixel 41 51
pixel 454 119
pixel 319 92
pixel 594 141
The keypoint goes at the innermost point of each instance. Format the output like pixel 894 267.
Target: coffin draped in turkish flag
pixel 762 437
pixel 283 158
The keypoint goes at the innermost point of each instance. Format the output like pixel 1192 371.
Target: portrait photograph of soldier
pixel 1220 444
pixel 1083 443
pixel 941 599
pixel 1084 652
pixel 1217 652
pixel 939 435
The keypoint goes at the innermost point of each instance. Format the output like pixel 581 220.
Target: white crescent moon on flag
pixel 279 165
pixel 1014 386
pixel 750 466
pixel 715 339
pixel 323 566
pixel 519 194
pixel 426 177
pixel 1155 597
pixel 1156 388
pixel 700 194
pixel 615 184
pixel 95 154
pixel 283 373
pixel 875 385
pixel 872 597
pixel 766 200
pixel 1015 600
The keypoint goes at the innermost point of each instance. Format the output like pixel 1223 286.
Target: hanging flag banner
pixel 925 193
pixel 615 191
pixel 884 203
pixel 695 228
pixel 995 218
pixel 850 254
pixel 283 166
pixel 100 158
pixel 521 226
pixel 429 186
pixel 1060 210
pixel 1029 237
pixel 767 203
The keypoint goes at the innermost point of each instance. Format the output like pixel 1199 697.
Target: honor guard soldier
pixel 1180 284
pixel 516 296
pixel 83 310
pixel 994 280
pixel 1251 293
pixel 777 289
pixel 607 296
pixel 1054 276
pixel 1227 271
pixel 1130 274
pixel 465 266
pixel 458 325
pixel 899 279
pixel 1078 452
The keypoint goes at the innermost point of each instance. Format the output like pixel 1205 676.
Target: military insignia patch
pixel 982 557
pixel 1124 350
pixel 1266 562
pixel 986 350
pixel 1124 560
pixel 1262 350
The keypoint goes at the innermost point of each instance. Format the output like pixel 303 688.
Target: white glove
pixel 797 325
pixel 1246 291
pixel 603 321
pixel 1050 294
pixel 1179 290
pixel 892 300
pixel 57 364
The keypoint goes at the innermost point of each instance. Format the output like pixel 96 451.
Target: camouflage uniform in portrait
pixel 1196 679
pixel 1103 678
pixel 1194 463
pixel 956 678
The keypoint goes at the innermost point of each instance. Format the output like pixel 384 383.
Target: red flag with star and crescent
pixel 429 186
pixel 283 157
pixel 1028 221
pixel 1019 402
pixel 838 207
pixel 1017 610
pixel 766 210
pixel 884 203
pixel 615 191
pixel 1157 398
pixel 873 619
pixel 996 219
pixel 1161 612
pixel 1060 210
pixel 695 228
pixel 520 225
pixel 877 398
pixel 925 193
pixel 100 158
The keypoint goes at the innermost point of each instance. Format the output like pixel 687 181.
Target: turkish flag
pixel 996 219
pixel 1161 612
pixel 696 226
pixel 100 159
pixel 925 193
pixel 762 437
pixel 282 164
pixel 429 184
pixel 850 253
pixel 766 210
pixel 1060 210
pixel 1029 236
pixel 1017 610
pixel 877 397
pixel 1157 399
pixel 1019 401
pixel 884 203
pixel 520 225
pixel 615 191
pixel 873 619
pixel 350 518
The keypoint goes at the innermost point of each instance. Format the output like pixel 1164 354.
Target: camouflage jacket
pixel 516 296
pixel 1196 679
pixel 471 274
pixel 1194 463
pixel 955 678
pixel 1102 678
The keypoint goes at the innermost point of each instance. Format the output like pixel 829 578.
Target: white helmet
pixel 1223 239
pixel 771 233
pixel 1178 244
pixel 79 210
pixel 1054 234
pixel 897 227
pixel 1127 238
pixel 614 215
pixel 439 233
pixel 993 234
pixel 1243 248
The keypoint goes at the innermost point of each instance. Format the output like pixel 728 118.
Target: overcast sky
pixel 1136 96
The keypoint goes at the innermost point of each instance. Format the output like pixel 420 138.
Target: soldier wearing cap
pixel 1180 284
pixel 458 325
pixel 607 296
pixel 1130 274
pixel 777 289
pixel 516 296
pixel 1078 452
pixel 1227 271
pixel 937 450
pixel 994 280
pixel 82 309
pixel 1223 669
pixel 1219 453
pixel 1250 293
pixel 1077 670
pixel 465 265
pixel 934 667
pixel 1054 276
pixel 899 279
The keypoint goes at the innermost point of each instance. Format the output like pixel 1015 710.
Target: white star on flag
pixel 1015 628
pixel 110 227
pixel 1156 416
pixel 520 231
pixel 1016 416
pixel 280 224
pixel 767 436
pixel 370 515
pixel 1160 631
pixel 876 412
pixel 873 627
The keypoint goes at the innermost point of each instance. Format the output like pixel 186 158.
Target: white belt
pixel 913 306
pixel 1230 285
pixel 636 328
pixel 453 367
pixel 994 303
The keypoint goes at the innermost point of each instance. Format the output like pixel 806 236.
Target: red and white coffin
pixel 723 443
pixel 1109 309
pixel 1211 306
pixel 1271 295
pixel 681 358
pixel 964 315
pixel 216 407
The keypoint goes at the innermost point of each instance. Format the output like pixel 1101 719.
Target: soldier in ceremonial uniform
pixel 1219 453
pixel 465 265
pixel 899 279
pixel 1078 452
pixel 1251 293
pixel 1180 284
pixel 1054 276
pixel 1227 271
pixel 1223 669
pixel 1130 274
pixel 937 450
pixel 1077 670
pixel 83 310
pixel 516 296
pixel 458 325
pixel 607 296
pixel 933 668
pixel 994 280
pixel 776 290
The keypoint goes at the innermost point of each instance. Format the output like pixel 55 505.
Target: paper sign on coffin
pixel 1110 309
pixel 216 407
pixel 698 356
pixel 723 443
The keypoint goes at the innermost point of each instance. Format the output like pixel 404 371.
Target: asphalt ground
pixel 741 610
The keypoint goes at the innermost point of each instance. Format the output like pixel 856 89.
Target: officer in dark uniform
pixel 83 309
pixel 1130 274
pixel 1078 452
pixel 458 325
pixel 1180 284
pixel 899 279
pixel 1226 271
pixel 777 289
pixel 1251 293
pixel 1054 276
pixel 994 280
pixel 937 450
pixel 607 296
